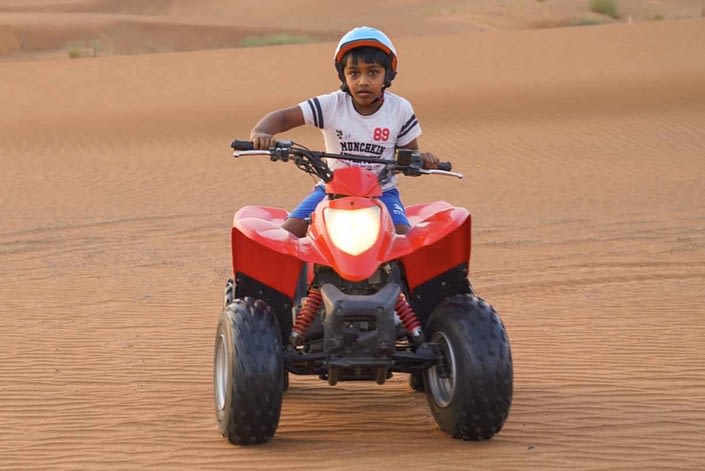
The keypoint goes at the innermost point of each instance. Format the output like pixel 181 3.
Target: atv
pixel 354 300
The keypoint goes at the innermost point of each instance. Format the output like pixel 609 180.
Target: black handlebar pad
pixel 242 145
pixel 447 166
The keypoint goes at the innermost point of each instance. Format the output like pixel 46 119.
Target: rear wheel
pixel 248 373
pixel 471 392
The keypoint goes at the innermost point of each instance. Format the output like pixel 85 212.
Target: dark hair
pixel 368 55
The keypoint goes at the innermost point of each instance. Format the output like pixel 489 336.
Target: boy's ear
pixel 388 78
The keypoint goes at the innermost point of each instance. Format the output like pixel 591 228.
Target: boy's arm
pixel 429 159
pixel 413 145
pixel 274 123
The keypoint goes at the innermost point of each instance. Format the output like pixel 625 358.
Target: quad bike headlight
pixel 353 231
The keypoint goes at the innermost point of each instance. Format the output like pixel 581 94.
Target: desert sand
pixel 583 150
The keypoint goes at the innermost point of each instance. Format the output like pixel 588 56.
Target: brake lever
pixel 441 172
pixel 241 153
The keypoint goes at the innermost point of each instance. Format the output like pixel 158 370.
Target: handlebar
pixel 407 161
pixel 242 145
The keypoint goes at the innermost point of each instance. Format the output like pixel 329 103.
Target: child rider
pixel 360 119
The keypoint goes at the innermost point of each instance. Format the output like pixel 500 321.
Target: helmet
pixel 365 36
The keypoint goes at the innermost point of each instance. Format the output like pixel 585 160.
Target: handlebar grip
pixel 447 166
pixel 242 145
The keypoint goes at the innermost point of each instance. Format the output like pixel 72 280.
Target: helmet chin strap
pixel 380 98
pixel 344 87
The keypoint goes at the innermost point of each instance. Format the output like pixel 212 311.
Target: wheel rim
pixel 443 389
pixel 221 372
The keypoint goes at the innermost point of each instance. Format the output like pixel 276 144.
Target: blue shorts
pixel 390 198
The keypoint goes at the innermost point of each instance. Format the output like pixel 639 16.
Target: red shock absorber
pixel 409 319
pixel 305 317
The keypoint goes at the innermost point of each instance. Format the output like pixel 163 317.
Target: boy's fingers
pixel 262 142
pixel 430 160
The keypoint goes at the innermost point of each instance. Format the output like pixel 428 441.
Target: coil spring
pixel 308 312
pixel 407 316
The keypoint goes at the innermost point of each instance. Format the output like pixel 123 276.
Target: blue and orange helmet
pixel 365 36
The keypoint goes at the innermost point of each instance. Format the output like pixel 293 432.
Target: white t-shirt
pixel 345 131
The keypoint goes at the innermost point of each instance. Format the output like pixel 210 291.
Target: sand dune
pixel 48 29
pixel 583 151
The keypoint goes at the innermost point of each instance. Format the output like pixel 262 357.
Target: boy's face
pixel 365 82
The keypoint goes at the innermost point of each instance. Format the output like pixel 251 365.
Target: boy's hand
pixel 261 140
pixel 429 160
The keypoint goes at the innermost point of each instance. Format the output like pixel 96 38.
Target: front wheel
pixel 248 373
pixel 471 392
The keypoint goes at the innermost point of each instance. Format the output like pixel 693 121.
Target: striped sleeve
pixel 410 129
pixel 408 126
pixel 313 112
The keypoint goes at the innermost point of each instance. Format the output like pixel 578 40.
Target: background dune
pixel 583 151
pixel 41 29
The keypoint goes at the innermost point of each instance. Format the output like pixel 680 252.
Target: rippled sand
pixel 583 151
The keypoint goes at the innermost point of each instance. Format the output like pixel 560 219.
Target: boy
pixel 360 119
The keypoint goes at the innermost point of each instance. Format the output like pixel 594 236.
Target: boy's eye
pixel 354 73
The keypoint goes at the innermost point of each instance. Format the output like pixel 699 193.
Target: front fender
pixel 263 251
pixel 438 241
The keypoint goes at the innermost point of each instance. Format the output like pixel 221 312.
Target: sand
pixel 583 150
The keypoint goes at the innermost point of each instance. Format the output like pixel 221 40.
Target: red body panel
pixel 351 267
pixel 354 181
pixel 436 251
pixel 263 250
pixel 438 240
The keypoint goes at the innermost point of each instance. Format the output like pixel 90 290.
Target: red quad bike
pixel 353 300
